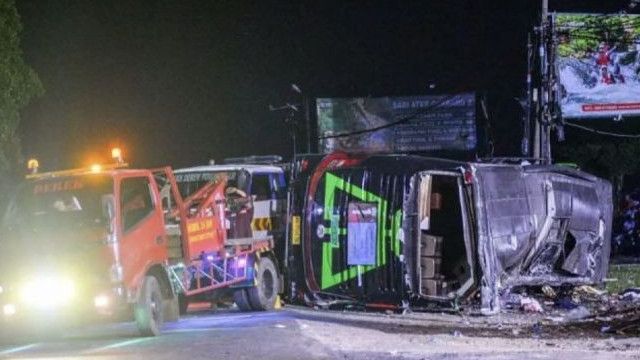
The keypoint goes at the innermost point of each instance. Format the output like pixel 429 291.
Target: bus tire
pixel 264 294
pixel 148 311
pixel 241 298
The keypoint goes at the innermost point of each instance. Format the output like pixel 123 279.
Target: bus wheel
pixel 241 298
pixel 148 310
pixel 264 294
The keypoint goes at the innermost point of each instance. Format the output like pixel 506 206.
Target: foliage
pixel 626 275
pixel 18 85
pixel 608 159
pixel 580 35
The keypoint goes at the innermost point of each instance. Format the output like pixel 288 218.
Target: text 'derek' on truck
pixel 123 243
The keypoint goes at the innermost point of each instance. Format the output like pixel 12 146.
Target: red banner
pixel 611 107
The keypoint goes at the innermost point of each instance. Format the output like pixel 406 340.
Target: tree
pixel 580 35
pixel 613 159
pixel 18 85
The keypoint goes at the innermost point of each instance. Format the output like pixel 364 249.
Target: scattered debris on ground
pixel 530 305
pixel 543 312
pixel 584 308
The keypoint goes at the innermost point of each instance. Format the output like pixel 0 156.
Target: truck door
pixel 264 203
pixel 142 239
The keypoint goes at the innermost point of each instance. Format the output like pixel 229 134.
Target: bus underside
pixel 405 231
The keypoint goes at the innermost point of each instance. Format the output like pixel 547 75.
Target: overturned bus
pixel 399 231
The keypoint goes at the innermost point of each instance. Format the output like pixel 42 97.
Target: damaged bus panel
pixel 409 231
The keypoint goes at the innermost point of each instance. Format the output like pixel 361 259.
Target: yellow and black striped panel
pixel 261 224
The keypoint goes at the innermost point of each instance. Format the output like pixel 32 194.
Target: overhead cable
pixel 600 132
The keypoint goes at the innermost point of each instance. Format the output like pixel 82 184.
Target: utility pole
pixel 543 88
pixel 543 95
pixel 290 121
pixel 307 117
pixel 526 126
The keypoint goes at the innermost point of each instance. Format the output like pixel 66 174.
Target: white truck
pixel 255 206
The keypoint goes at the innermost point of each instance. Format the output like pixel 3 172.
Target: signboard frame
pixel 423 123
pixel 595 72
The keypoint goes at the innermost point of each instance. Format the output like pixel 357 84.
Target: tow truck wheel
pixel 171 309
pixel 241 298
pixel 183 304
pixel 148 309
pixel 264 294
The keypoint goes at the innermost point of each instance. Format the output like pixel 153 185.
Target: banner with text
pixel 411 123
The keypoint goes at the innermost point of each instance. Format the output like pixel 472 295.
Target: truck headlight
pixel 101 301
pixel 47 291
pixel 9 309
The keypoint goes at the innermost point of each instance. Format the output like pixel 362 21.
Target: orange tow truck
pixel 119 243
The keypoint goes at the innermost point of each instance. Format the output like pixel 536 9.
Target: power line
pixel 600 132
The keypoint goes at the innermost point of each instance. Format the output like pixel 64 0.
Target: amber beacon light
pixel 32 165
pixel 116 154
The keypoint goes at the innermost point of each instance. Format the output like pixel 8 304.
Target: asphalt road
pixel 296 333
pixel 211 335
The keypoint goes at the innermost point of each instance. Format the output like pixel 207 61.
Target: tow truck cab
pixel 87 244
pixel 124 243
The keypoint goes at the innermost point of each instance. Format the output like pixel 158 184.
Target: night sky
pixel 180 82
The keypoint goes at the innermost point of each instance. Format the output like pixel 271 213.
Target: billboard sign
pixel 432 123
pixel 598 62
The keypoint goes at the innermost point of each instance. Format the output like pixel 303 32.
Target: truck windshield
pixel 190 182
pixel 65 201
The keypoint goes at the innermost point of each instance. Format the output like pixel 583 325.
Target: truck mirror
pixel 109 211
